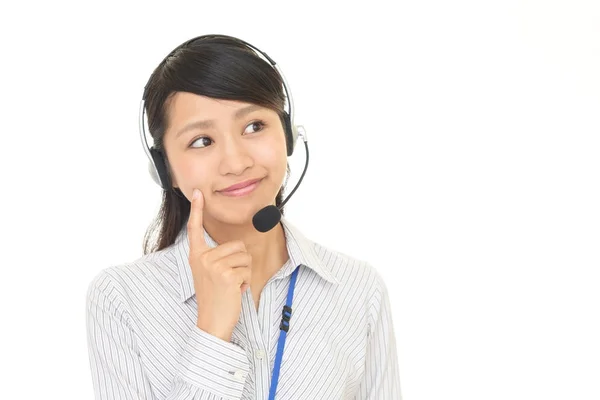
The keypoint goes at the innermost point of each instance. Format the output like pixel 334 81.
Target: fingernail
pixel 195 194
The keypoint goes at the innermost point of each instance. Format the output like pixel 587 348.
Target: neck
pixel 268 249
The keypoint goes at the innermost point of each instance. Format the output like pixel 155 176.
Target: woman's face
pixel 236 142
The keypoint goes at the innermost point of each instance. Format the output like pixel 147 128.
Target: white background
pixel 454 145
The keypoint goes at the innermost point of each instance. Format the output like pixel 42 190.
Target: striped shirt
pixel 144 343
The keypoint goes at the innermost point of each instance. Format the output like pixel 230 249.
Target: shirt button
pixel 260 354
pixel 240 376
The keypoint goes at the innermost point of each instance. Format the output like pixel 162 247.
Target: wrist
pixel 226 336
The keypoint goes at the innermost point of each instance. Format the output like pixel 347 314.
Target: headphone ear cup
pixel 163 179
pixel 153 174
pixel 291 135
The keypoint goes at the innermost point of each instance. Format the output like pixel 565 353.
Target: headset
pixel 157 165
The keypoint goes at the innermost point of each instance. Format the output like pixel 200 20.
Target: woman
pixel 206 313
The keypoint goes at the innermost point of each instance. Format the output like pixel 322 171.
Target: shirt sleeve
pixel 117 369
pixel 382 377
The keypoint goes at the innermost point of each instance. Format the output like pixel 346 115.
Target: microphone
pixel 268 217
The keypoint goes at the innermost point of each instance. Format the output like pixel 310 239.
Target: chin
pixel 236 217
pixel 238 211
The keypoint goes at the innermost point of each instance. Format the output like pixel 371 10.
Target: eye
pixel 261 125
pixel 204 140
pixel 257 125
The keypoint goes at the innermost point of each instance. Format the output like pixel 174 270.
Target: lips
pixel 240 185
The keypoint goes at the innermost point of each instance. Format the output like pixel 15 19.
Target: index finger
pixel 195 227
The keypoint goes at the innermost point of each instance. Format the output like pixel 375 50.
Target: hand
pixel 221 275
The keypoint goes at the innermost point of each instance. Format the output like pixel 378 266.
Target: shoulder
pixel 117 284
pixel 349 269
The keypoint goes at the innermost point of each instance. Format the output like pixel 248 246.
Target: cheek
pixel 272 153
pixel 273 158
pixel 188 174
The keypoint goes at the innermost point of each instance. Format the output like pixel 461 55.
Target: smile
pixel 243 191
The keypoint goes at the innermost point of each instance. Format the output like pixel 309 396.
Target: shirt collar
pixel 300 250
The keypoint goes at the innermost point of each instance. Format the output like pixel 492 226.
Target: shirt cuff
pixel 215 365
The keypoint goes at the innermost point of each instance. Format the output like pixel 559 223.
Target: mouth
pixel 241 189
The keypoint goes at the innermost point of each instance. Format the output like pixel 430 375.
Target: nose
pixel 234 156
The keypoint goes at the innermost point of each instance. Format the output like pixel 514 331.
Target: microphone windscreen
pixel 266 219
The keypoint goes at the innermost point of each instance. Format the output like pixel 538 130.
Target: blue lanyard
pixel 283 329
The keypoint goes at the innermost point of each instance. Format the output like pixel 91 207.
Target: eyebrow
pixel 209 123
